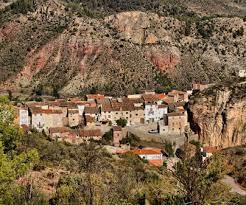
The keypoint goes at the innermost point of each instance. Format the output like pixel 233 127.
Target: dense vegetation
pixel 31 164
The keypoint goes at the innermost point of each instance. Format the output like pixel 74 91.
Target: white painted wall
pixel 24 118
pixel 151 156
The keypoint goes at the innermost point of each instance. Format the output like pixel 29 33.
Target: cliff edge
pixel 218 115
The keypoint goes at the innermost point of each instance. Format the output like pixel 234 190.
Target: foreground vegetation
pixel 31 165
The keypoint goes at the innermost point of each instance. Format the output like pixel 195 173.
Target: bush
pixel 107 137
pixel 23 6
pixel 121 122
pixel 131 139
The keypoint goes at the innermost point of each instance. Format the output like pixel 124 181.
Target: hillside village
pixel 76 121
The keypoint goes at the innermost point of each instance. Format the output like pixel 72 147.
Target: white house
pixel 162 111
pixel 23 117
pixel 149 154
pixel 208 152
pixel 151 113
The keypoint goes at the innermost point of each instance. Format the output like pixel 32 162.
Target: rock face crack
pixel 221 121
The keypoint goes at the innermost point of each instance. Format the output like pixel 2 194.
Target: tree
pixel 131 139
pixel 108 137
pixel 14 162
pixel 168 146
pixel 199 181
pixel 121 122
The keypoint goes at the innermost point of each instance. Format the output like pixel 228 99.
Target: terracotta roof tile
pixel 90 133
pixel 146 151
pixel 95 96
pixel 91 110
pixel 156 163
pixel 209 149
pixel 59 130
pixel 46 111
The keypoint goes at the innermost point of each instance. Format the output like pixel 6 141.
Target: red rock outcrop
pixel 163 60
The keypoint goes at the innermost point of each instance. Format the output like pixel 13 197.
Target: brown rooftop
pixel 73 111
pixel 173 114
pixel 150 98
pixel 89 133
pixel 46 111
pixel 91 110
pixel 59 130
pixel 117 128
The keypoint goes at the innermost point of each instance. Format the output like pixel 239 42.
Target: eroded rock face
pixel 130 25
pixel 164 59
pixel 52 44
pixel 219 115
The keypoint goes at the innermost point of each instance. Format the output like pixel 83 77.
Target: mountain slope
pixel 81 46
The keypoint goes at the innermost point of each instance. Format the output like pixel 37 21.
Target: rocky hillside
pixel 118 47
pixel 218 115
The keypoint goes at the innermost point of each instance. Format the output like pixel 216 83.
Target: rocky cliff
pixel 218 115
pixel 118 47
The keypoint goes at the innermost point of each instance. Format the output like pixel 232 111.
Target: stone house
pixel 90 134
pixel 116 109
pixel 117 135
pixel 177 122
pixel 74 119
pixel 178 96
pixel 162 126
pixel 162 111
pixel 43 119
pixel 64 134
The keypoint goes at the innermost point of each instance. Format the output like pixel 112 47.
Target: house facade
pixel 42 120
pixel 117 135
pixel 151 113
pixel 177 123
pixel 24 117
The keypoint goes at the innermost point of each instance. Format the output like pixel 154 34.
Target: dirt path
pixel 234 186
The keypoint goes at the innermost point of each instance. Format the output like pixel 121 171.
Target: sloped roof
pixel 59 130
pixel 46 111
pixel 90 133
pixel 156 162
pixel 209 149
pixel 91 110
pixel 146 151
